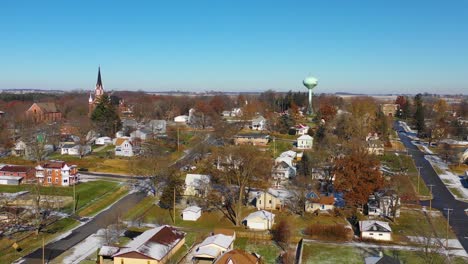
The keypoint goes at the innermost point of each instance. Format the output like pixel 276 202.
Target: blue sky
pixel 351 46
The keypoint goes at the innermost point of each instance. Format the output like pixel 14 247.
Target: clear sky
pixel 373 46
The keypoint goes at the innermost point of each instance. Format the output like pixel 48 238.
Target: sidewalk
pixel 452 181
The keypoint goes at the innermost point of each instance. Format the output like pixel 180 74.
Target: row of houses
pixel 50 173
pixel 158 245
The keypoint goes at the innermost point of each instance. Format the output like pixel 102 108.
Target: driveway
pixel 442 198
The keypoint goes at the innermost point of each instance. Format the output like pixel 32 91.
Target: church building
pixel 98 92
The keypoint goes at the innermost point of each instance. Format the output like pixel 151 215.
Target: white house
pixel 196 184
pixel 377 230
pixel 142 134
pixel 103 141
pixel 182 119
pixel 157 126
pixel 123 147
pixel 305 142
pixel 260 220
pixel 283 171
pixel 302 129
pixel 271 199
pixel 20 149
pixel 191 213
pixel 213 247
pixel 375 146
pixel 259 123
pixel 75 149
pixel 316 202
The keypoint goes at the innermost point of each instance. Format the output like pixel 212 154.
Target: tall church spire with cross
pixel 98 92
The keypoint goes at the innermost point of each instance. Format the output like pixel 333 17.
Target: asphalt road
pixel 102 220
pixel 442 198
pixel 106 218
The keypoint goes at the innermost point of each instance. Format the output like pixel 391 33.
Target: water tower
pixel 310 83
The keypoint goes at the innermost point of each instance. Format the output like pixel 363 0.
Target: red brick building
pixel 44 112
pixel 10 174
pixel 58 173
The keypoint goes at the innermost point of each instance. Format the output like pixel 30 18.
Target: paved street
pixel 102 220
pixel 105 218
pixel 442 197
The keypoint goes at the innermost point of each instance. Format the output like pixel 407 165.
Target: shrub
pixel 326 231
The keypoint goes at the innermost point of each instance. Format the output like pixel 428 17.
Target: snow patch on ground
pixel 448 178
pixel 85 248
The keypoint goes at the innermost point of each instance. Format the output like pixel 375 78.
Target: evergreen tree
pixel 419 114
pixel 167 197
pixel 105 118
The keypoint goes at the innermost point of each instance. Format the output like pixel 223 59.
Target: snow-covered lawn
pixel 451 180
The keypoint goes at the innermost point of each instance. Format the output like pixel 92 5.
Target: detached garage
pixel 10 180
pixel 260 220
pixel 191 213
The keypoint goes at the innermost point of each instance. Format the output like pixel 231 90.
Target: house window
pixel 56 180
pixel 259 201
pixel 49 179
pixel 371 234
pixel 270 201
pixel 380 234
pixel 65 181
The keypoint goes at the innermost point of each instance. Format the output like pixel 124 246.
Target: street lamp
pixel 448 221
pixel 419 176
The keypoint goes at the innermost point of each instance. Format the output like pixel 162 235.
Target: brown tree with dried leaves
pixel 357 176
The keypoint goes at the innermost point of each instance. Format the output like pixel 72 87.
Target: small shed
pixel 191 213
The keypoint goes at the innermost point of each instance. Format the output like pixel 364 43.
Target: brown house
pixel 17 174
pixel 238 256
pixel 44 112
pixel 56 172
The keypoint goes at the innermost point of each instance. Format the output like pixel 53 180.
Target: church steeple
pixel 99 82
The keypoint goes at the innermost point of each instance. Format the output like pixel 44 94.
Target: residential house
pixel 235 112
pixel 283 171
pixel 157 126
pixel 15 175
pixel 129 124
pixel 377 230
pixel 213 247
pixel 196 185
pixel 101 141
pixel 271 199
pixel 21 149
pixel 301 129
pixel 251 139
pixel 143 134
pixel 238 256
pixel 259 123
pixel 124 147
pixel 389 109
pixel 260 220
pixel 44 112
pixel 191 213
pixel 154 246
pixel 56 172
pixel 319 202
pixel 375 146
pixel 384 203
pixel 381 259
pixel 68 139
pixel 75 149
pixel 182 119
pixel 305 142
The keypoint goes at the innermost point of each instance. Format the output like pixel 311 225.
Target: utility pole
pixel 173 207
pixel 43 250
pixel 419 176
pixel 177 138
pixel 274 147
pixel 74 196
pixel 448 221
pixel 430 198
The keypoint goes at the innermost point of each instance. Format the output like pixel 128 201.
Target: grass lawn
pixel 85 192
pixel 414 223
pixel 267 249
pixel 140 208
pixel 33 242
pixel 103 202
pixel 459 169
pixel 438 170
pixel 281 146
pixel 325 253
pixel 456 192
pixel 300 223
pixel 329 253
